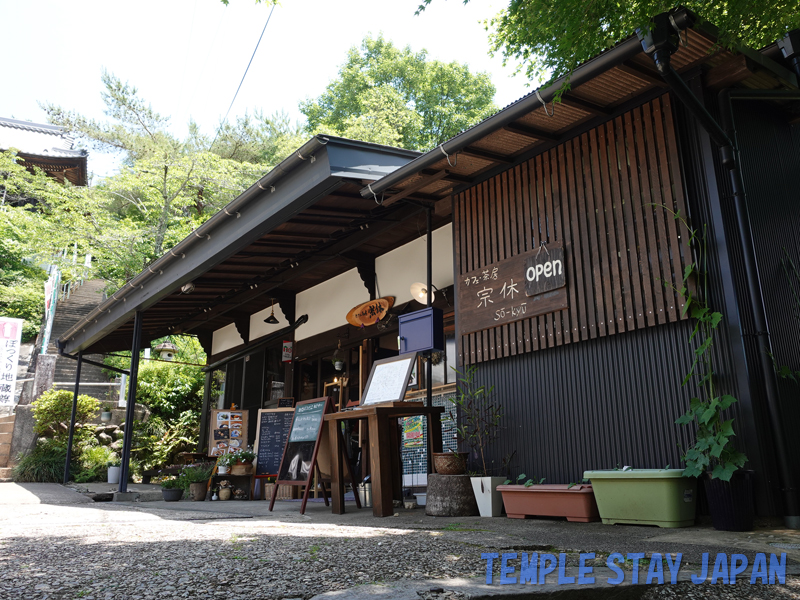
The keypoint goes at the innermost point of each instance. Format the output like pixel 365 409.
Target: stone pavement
pixel 64 547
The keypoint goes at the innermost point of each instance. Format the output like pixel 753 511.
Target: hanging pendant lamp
pixel 272 319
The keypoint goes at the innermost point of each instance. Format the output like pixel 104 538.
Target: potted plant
pixel 172 489
pixel 225 462
pixel 114 465
pixel 197 479
pixel 479 417
pixel 714 457
pixel 450 463
pixel 105 412
pixel 244 463
pixel 225 489
pixel 532 497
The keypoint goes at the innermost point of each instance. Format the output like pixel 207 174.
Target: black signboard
pixel 273 431
pixel 285 402
pixel 544 271
pixel 301 453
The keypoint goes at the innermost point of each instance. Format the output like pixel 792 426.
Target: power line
pixel 243 76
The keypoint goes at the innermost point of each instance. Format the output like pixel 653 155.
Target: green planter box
pixel 662 497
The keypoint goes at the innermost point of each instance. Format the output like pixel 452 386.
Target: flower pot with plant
pixel 114 466
pixel 172 489
pixel 197 479
pixel 713 455
pixel 244 463
pixel 479 417
pixel 105 412
pixel 225 462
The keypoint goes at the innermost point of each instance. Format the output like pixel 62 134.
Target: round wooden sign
pixel 370 312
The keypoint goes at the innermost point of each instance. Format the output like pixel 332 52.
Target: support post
pixel 134 375
pixel 429 363
pixel 72 418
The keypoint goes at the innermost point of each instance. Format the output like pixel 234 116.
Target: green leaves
pixel 390 95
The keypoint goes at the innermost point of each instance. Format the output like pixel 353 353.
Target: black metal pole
pixel 72 418
pixel 128 439
pixel 429 287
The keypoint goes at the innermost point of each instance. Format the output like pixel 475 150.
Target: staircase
pixel 6 431
pixel 81 301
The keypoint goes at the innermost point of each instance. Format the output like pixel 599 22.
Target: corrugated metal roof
pixel 38 139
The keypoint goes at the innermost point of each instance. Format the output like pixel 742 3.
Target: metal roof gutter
pixel 204 231
pixel 587 71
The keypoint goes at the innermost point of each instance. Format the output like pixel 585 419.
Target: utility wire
pixel 243 76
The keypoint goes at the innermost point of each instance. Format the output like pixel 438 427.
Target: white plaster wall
pixel 259 329
pixel 328 303
pixel 225 339
pixel 398 269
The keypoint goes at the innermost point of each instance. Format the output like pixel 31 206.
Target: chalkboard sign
pixel 307 421
pixel 388 380
pixel 285 402
pixel 271 436
pixel 302 451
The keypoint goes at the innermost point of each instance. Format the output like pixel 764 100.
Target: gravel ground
pixel 104 552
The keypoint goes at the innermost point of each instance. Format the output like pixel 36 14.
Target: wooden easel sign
pixel 388 380
pixel 300 455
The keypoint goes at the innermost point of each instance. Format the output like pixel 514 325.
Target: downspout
pixel 660 42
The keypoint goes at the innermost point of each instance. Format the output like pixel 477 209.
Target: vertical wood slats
pixel 609 196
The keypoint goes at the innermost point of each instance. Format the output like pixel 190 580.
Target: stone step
pixel 5 450
pixel 5 474
pixel 7 419
pixel 7 427
pixel 5 437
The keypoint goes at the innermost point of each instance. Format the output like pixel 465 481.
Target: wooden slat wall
pixel 603 194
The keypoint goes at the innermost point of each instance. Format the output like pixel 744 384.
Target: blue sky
pixel 187 56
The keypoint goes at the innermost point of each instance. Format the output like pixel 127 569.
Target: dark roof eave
pixel 590 69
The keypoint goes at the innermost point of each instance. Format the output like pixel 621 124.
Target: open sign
pixel 545 271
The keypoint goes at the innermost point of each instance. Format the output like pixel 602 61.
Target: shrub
pixel 93 463
pixel 169 389
pixel 53 410
pixel 43 464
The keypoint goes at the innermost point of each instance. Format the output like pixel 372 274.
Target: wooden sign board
pixel 272 432
pixel 302 450
pixel 544 271
pixel 227 432
pixel 388 379
pixel 496 294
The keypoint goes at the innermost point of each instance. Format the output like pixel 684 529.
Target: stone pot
pixel 450 463
pixel 225 494
pixel 172 495
pixel 197 491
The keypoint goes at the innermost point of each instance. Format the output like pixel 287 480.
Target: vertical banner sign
pixel 412 432
pixel 286 353
pixel 10 337
pixel 51 288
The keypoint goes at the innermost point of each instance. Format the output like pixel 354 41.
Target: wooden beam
pixel 414 187
pixel 729 73
pixel 590 107
pixel 649 76
pixel 487 155
pixel 531 132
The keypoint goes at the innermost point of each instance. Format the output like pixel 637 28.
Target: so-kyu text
pixel 524 568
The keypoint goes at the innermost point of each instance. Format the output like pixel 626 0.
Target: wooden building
pixel 589 368
pixel 590 372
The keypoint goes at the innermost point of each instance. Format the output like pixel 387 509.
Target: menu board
pixel 228 432
pixel 388 380
pixel 307 420
pixel 271 435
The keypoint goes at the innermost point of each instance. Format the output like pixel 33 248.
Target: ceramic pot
pixel 105 416
pixel 490 501
pixel 225 494
pixel 450 463
pixel 113 474
pixel 223 469
pixel 197 491
pixel 171 495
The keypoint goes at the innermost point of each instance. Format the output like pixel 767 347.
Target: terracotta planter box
pixel 576 503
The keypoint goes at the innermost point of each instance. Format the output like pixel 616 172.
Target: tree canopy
pixel 395 96
pixel 549 39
